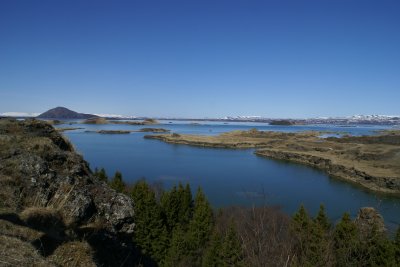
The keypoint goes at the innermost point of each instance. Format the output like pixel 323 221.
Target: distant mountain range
pixel 64 113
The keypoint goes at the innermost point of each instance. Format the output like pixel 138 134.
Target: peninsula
pixel 370 161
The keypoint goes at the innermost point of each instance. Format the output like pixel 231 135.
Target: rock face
pixel 39 168
pixel 64 113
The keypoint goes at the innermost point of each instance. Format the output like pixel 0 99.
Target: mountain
pixel 64 113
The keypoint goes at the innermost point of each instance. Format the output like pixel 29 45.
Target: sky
pixel 278 59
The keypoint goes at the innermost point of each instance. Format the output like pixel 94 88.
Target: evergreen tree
pixel 186 204
pixel 201 225
pixel 212 255
pixel 170 206
pixel 150 232
pixel 396 244
pixel 117 183
pixel 231 249
pixel 101 175
pixel 300 228
pixel 177 205
pixel 321 219
pixel 319 243
pixel 375 249
pixel 178 253
pixel 346 242
pixel 224 249
pixel 311 237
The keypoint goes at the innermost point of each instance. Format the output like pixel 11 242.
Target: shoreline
pixel 372 162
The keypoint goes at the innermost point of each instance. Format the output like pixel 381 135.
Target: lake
pixel 230 177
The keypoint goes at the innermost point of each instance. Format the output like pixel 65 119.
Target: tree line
pixel 173 228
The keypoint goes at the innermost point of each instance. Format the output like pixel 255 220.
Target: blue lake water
pixel 230 177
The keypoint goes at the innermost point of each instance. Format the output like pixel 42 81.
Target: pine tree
pixel 224 249
pixel 376 249
pixel 346 244
pixel 101 175
pixel 231 249
pixel 321 219
pixel 300 227
pixel 201 225
pixel 117 183
pixel 177 205
pixel 150 232
pixel 212 255
pixel 318 246
pixel 178 253
pixel 170 206
pixel 186 204
pixel 396 243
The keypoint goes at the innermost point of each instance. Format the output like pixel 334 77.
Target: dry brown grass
pixel 19 240
pixel 76 253
pixel 44 219
pixel 15 252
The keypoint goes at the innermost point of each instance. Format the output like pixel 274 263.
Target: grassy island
pixel 282 122
pixel 154 130
pixel 98 120
pixel 113 132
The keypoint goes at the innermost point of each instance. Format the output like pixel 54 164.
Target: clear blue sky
pixel 201 58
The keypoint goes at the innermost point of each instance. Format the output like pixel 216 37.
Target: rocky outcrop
pixel 48 172
pixel 40 169
pixel 381 184
pixel 369 220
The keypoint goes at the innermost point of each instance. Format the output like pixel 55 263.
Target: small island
pixel 154 130
pixel 96 120
pixel 109 132
pixel 282 122
pixel 113 132
pixel 68 129
pixel 144 122
pixel 100 120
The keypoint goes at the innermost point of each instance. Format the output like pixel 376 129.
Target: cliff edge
pixel 53 210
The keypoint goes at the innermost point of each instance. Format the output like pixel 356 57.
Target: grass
pixel 29 239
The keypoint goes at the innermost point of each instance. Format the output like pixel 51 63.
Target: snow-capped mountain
pixel 116 116
pixel 18 114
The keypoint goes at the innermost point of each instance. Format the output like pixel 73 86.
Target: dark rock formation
pixel 64 113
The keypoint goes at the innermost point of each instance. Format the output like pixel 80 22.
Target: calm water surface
pixel 230 177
